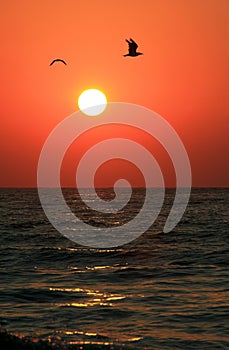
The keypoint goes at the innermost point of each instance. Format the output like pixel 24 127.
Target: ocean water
pixel 161 291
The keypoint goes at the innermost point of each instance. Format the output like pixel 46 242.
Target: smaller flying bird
pixel 58 60
pixel 132 48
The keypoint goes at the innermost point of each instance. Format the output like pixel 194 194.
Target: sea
pixel 161 291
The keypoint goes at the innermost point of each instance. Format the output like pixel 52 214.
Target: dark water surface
pixel 162 291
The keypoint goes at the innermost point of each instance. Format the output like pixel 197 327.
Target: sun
pixel 92 102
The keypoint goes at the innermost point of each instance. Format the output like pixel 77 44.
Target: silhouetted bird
pixel 58 60
pixel 132 49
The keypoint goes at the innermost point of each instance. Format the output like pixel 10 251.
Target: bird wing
pixel 132 46
pixel 58 60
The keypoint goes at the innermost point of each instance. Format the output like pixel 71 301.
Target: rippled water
pixel 162 291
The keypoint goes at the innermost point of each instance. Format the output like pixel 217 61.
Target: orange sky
pixel 183 76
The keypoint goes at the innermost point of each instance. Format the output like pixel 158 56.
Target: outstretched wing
pixel 132 46
pixel 58 60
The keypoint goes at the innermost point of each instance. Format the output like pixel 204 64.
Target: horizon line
pixel 108 187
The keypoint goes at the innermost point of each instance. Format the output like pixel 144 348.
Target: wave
pixel 12 342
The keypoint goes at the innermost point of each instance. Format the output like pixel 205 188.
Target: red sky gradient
pixel 183 76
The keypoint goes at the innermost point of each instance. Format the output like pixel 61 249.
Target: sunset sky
pixel 183 76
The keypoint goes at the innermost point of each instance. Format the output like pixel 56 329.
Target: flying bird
pixel 132 48
pixel 58 60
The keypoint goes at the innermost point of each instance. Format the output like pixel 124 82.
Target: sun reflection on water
pixel 96 298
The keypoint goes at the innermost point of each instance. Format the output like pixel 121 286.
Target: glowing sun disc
pixel 92 102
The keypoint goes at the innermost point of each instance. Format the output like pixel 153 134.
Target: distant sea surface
pixel 162 291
